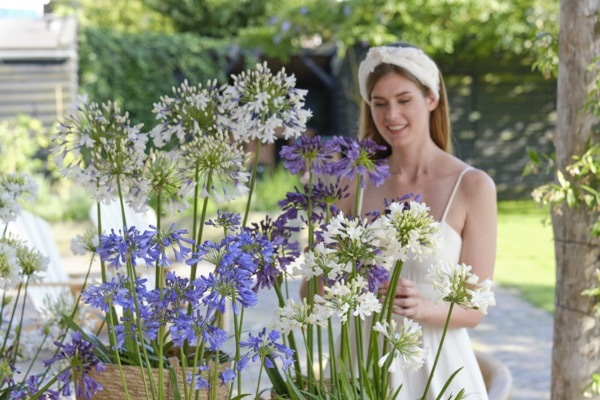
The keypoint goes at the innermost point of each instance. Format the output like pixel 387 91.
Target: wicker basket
pixel 113 389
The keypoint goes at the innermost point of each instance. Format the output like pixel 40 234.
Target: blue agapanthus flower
pixel 108 294
pixel 81 360
pixel 265 347
pixel 229 221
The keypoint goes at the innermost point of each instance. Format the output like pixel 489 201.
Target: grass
pixel 525 256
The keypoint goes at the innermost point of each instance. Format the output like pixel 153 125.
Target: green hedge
pixel 136 69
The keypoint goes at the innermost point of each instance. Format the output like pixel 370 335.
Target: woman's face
pixel 400 110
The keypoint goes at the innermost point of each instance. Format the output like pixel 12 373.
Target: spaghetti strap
pixel 454 192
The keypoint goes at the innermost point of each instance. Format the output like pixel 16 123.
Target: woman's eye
pixel 403 101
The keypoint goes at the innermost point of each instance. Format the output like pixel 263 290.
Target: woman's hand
pixel 407 302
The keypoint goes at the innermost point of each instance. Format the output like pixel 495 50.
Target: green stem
pixel 12 316
pixel 359 353
pixel 358 197
pixel 439 352
pixel 200 227
pixel 113 338
pixel 292 341
pixel 252 183
pixel 387 312
pixel 157 274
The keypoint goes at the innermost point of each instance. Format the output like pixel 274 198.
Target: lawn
pixel 525 257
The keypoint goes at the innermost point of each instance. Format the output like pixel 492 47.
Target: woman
pixel 405 109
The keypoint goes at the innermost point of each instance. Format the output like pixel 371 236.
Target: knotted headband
pixel 412 59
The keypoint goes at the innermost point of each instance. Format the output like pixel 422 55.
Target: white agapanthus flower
pixel 86 243
pixel 258 104
pixel 298 315
pixel 405 342
pixel 344 298
pixel 191 112
pixel 10 268
pixel 97 146
pixel 14 188
pixel 455 283
pixel 407 229
pixel 216 165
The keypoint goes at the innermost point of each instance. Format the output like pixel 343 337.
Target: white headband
pixel 412 59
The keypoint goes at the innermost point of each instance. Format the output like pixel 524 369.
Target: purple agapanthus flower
pixel 308 152
pixel 280 234
pixel 358 158
pixel 160 242
pixel 118 249
pixel 226 220
pixel 31 388
pixel 108 294
pixel 200 381
pixel 197 328
pixel 81 360
pixel 265 348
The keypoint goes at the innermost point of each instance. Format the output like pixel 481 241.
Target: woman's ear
pixel 432 102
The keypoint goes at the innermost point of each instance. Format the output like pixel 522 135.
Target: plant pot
pixel 113 388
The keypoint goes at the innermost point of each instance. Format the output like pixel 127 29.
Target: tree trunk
pixel 576 348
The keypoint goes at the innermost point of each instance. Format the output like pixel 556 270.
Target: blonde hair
pixel 439 122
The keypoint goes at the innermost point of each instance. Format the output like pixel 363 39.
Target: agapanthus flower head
pixel 407 229
pixel 160 242
pixel 216 165
pixel 163 174
pixel 456 283
pixel 358 159
pixel 96 145
pixel 197 328
pixel 265 347
pixel 108 294
pixel 351 297
pixel 82 361
pixel 14 188
pixel 85 243
pixel 33 263
pixel 355 243
pixel 229 221
pixel 298 315
pixel 260 104
pixel 10 267
pixel 280 234
pixel 192 111
pixel 308 153
pixel 406 353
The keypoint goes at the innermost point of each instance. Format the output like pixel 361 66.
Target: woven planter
pixel 113 389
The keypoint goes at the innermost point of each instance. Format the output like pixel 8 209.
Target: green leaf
pixel 448 383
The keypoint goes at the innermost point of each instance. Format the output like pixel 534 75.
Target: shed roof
pixel 49 37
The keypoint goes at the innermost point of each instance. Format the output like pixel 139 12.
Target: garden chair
pixel 36 233
pixel 497 376
pixel 112 217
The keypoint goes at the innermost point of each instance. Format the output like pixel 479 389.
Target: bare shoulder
pixel 478 194
pixel 477 183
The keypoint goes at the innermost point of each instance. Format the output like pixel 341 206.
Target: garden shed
pixel 38 66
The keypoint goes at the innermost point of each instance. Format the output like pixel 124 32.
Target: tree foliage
pixel 140 68
pixel 459 30
pixel 213 18
pixel 126 16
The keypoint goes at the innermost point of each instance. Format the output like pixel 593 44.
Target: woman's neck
pixel 412 163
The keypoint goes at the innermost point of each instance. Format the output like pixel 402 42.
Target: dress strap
pixel 454 191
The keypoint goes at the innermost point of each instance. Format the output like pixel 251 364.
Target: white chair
pixel 36 233
pixel 497 376
pixel 112 217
